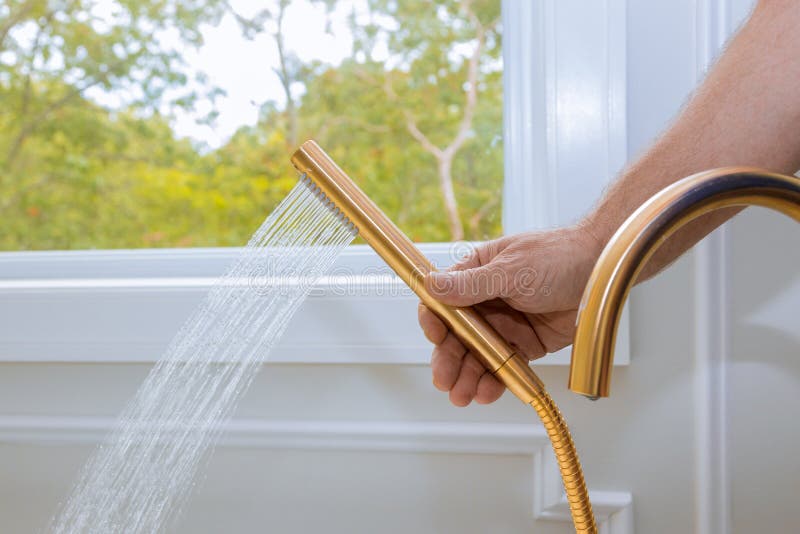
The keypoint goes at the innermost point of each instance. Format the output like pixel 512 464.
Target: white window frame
pixel 565 137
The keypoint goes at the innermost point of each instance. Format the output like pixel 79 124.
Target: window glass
pixel 169 123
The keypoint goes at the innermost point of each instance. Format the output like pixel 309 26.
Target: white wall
pixel 764 374
pixel 373 462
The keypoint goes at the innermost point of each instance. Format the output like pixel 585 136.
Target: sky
pixel 244 68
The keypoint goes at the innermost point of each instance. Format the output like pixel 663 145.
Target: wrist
pixel 593 234
pixel 590 245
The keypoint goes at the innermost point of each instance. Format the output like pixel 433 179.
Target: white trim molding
pixel 125 306
pixel 614 510
pixel 712 488
pixel 714 25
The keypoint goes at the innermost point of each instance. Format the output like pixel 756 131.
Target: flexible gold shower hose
pixel 568 463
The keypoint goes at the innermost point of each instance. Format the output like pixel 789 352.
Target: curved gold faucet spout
pixel 637 240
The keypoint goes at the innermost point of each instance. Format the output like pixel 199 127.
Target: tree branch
pixel 283 75
pixel 471 98
pixel 477 217
pixel 30 127
pixel 411 124
pixel 13 19
pixel 19 191
pixel 333 121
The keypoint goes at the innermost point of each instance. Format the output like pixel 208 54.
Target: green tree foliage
pixel 77 174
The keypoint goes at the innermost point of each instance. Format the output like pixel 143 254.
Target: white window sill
pixel 125 306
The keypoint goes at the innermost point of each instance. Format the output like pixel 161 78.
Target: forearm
pixel 746 112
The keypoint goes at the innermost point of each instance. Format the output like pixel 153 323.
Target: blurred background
pixel 167 123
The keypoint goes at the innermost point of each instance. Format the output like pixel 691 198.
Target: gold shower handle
pixel 637 240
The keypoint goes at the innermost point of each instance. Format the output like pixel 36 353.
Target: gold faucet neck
pixel 637 240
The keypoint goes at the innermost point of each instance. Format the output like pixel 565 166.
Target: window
pixel 170 124
pixel 563 126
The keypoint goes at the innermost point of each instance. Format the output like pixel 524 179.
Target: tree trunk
pixel 286 81
pixel 291 120
pixel 450 203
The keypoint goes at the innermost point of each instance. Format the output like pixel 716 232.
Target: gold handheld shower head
pixel 412 266
pixel 638 239
pixel 469 326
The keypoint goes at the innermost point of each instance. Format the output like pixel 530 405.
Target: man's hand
pixel 527 286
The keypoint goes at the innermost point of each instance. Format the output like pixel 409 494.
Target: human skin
pixel 528 286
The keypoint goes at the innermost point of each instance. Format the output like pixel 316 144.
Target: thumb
pixel 468 286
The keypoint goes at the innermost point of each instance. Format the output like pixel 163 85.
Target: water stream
pixel 139 477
